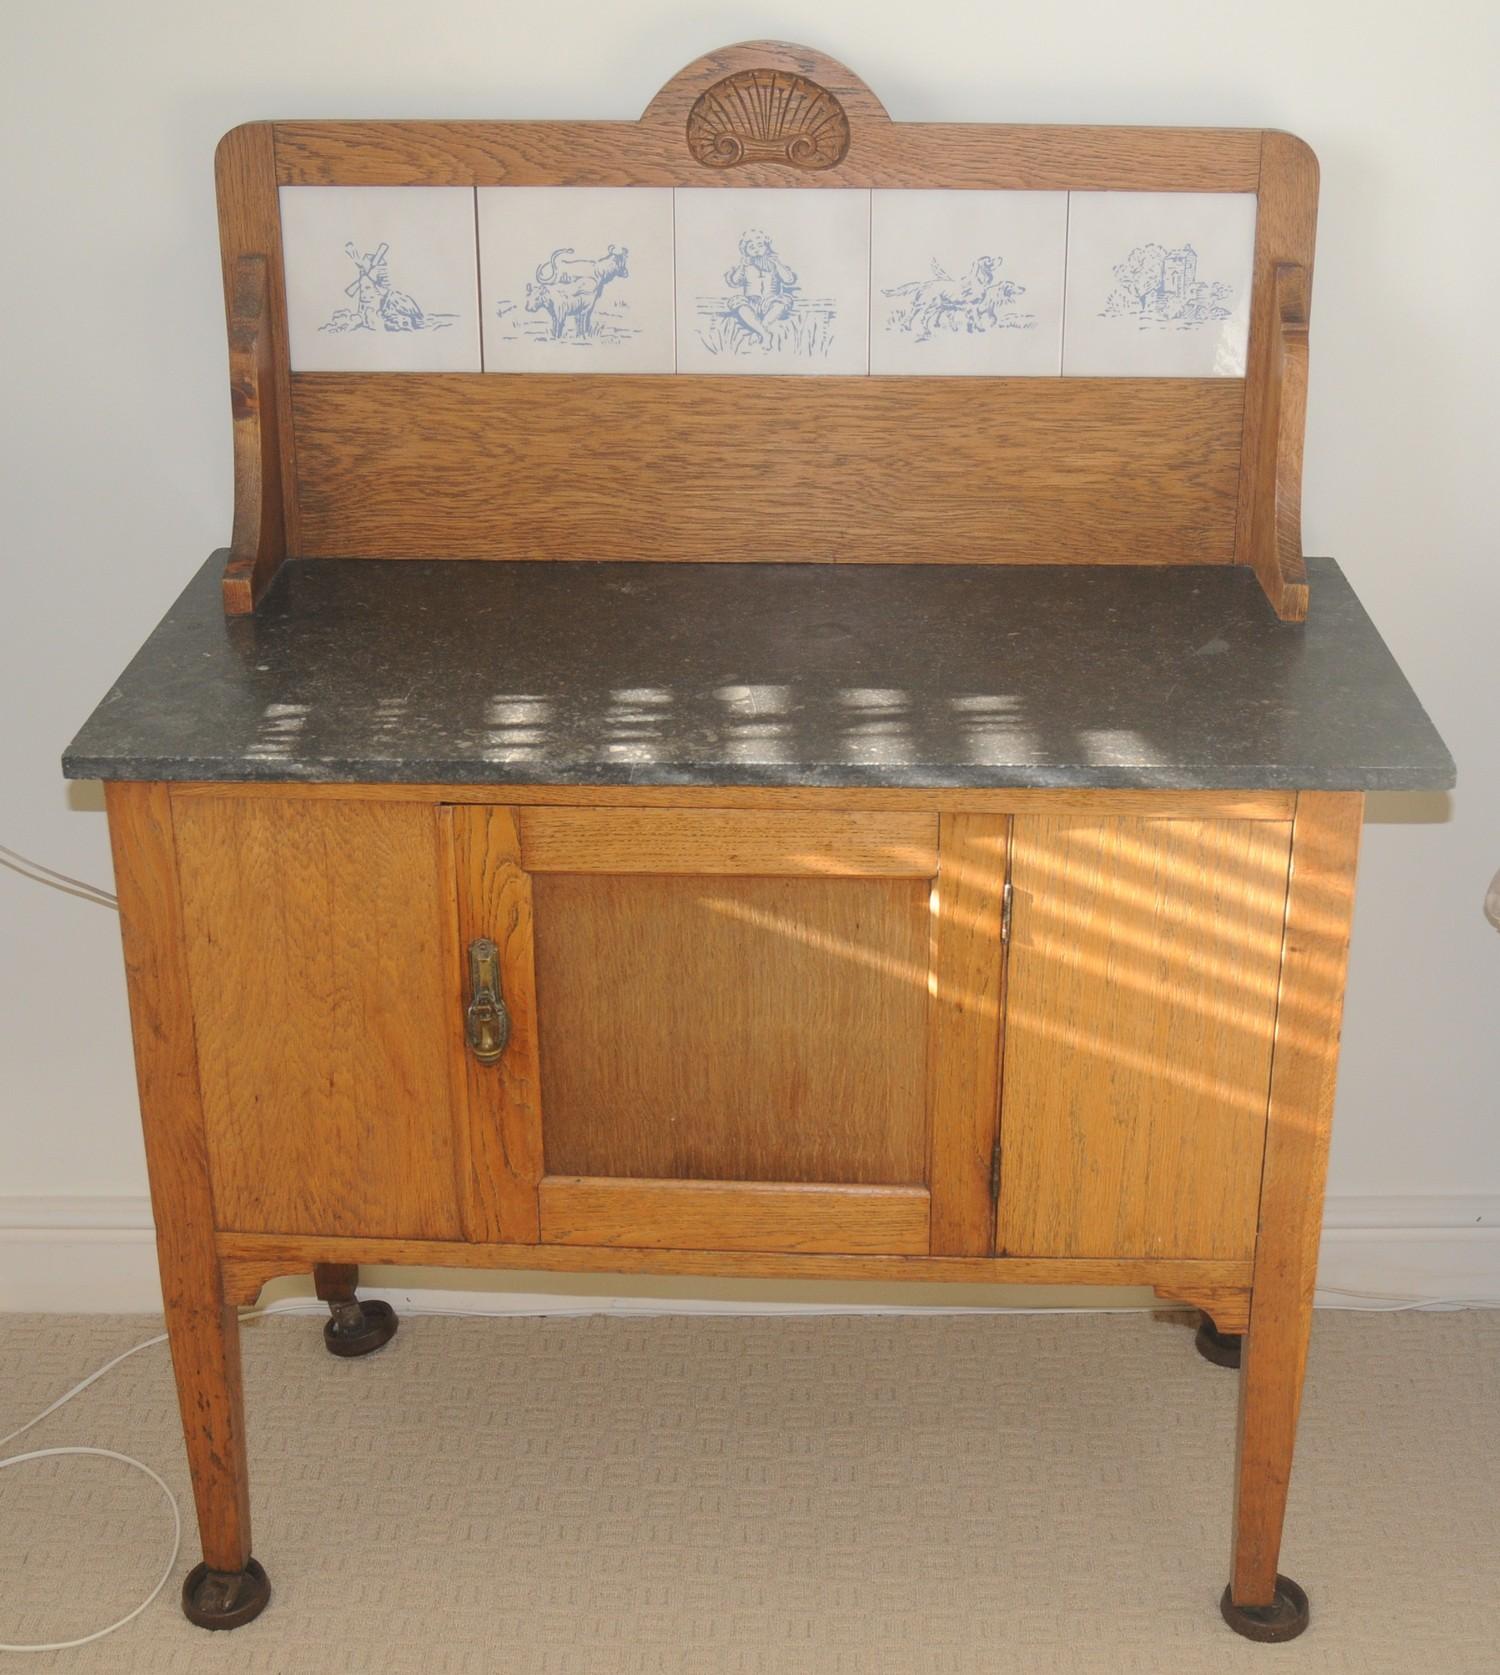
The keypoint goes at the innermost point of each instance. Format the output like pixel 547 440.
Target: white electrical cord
pixel 38 874
pixel 138 1465
pixel 124 1459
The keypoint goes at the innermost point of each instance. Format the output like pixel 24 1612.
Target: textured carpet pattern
pixel 767 1496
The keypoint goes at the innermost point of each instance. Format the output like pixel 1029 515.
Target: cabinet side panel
pixel 1142 985
pixel 743 1029
pixel 316 952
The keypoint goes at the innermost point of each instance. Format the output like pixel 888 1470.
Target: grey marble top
pixel 796 674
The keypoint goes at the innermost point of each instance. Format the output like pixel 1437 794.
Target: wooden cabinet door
pixel 320 958
pixel 736 1030
pixel 1142 985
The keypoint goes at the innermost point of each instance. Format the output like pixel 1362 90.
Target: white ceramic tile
pixel 1158 284
pixel 381 278
pixel 967 282
pixel 773 280
pixel 576 278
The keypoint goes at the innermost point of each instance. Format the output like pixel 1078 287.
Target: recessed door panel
pixel 729 1028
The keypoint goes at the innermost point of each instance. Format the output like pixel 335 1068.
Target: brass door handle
pixel 486 1022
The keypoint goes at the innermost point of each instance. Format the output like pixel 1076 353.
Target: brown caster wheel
pixel 358 1327
pixel 1284 1619
pixel 225 1598
pixel 1222 1348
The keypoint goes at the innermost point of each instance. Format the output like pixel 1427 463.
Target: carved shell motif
pixel 767 116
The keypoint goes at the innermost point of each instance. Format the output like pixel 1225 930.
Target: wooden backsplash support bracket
pixel 258 544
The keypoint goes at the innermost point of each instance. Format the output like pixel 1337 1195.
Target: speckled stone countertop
pixel 797 674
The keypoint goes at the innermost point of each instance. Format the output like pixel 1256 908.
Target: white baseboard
pixel 98 1256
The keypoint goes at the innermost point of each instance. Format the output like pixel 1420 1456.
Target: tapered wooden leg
pixel 1325 843
pixel 205 1339
pixel 229 1587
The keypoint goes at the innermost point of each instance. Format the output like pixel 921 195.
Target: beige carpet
pixel 831 1496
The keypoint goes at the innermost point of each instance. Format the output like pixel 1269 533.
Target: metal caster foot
pixel 357 1328
pixel 1222 1348
pixel 225 1598
pixel 1285 1619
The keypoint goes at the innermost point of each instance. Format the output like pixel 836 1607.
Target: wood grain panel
pixel 1320 905
pixel 500 1149
pixel 249 1260
pixel 978 155
pixel 734 1215
pixel 316 940
pixel 1227 1306
pixel 963 1063
pixel 710 841
pixel 816 470
pixel 1163 805
pixel 201 1324
pixel 1143 968
pixel 759 1029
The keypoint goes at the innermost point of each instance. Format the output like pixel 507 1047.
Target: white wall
pixel 115 455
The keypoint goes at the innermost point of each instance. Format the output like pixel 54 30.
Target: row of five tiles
pixel 705 280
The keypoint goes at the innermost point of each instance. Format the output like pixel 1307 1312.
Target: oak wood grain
pixel 734 1215
pixel 715 841
pixel 1141 1008
pixel 315 946
pixel 201 1324
pixel 769 1029
pixel 249 1260
pixel 1285 233
pixel 257 546
pixel 500 1152
pixel 1228 1306
pixel 1320 903
pixel 963 1061
pixel 1163 805
pixel 802 470
pixel 1277 529
pixel 962 155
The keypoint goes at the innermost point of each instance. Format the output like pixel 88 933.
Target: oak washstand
pixel 893 823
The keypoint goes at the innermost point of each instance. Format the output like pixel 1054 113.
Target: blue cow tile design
pixel 568 300
pixel 378 305
pixel 764 309
pixel 979 301
pixel 1160 289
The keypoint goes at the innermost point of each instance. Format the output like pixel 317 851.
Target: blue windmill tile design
pixel 380 278
pixel 377 305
